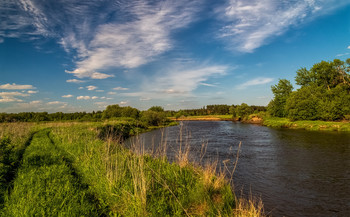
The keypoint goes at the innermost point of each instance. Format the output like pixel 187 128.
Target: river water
pixel 295 172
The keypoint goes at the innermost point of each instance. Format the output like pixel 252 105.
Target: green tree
pixel 281 92
pixel 304 104
pixel 243 110
pixel 156 109
pixel 325 74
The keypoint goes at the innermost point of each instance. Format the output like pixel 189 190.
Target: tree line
pixel 156 115
pixel 324 93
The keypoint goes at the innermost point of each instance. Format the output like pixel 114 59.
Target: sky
pixel 73 55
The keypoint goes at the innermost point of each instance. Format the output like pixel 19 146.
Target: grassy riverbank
pixel 275 122
pixel 204 118
pixel 307 125
pixel 80 169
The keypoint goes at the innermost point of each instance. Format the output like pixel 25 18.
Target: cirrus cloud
pixel 254 82
pixel 252 24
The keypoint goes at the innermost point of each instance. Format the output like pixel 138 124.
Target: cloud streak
pixel 252 24
pixel 254 82
pixel 177 82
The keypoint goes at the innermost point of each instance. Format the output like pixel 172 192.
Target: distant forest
pixel 116 111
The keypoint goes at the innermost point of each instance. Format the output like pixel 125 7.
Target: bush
pixel 152 118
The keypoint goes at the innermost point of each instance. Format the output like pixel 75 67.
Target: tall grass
pixel 47 185
pixel 67 170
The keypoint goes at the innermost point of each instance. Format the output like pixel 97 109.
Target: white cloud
pixel 35 102
pixel 349 47
pixel 32 91
pixel 100 91
pixel 80 88
pixel 112 93
pixel 56 103
pixel 83 97
pixel 179 81
pixel 91 87
pixel 94 97
pixel 120 88
pixel 254 82
pixel 145 99
pixel 13 94
pixel 342 54
pixel 75 81
pixel 208 85
pixel 82 73
pixel 4 100
pixel 67 96
pixel 16 87
pixel 132 43
pixel 184 81
pixel 251 24
pixel 123 102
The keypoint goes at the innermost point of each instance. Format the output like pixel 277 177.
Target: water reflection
pixel 296 172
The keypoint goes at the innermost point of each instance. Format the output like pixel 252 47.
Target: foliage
pixel 303 104
pixel 325 74
pixel 152 118
pixel 281 92
pixel 156 109
pixel 324 93
pixel 118 111
pixel 243 110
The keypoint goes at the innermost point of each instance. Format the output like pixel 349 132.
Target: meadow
pixel 83 169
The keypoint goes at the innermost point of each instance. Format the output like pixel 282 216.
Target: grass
pixel 67 170
pixel 205 118
pixel 307 125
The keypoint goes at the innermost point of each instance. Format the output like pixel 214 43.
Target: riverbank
pixel 306 125
pixel 204 118
pixel 82 169
pixel 274 122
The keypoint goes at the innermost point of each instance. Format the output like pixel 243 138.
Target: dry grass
pixel 251 207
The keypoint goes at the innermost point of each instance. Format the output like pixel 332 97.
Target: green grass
pixel 47 185
pixel 68 169
pixel 205 117
pixel 307 125
pixel 135 184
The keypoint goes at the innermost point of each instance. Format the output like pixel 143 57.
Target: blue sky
pixel 72 55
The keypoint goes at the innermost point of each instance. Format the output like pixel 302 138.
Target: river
pixel 295 172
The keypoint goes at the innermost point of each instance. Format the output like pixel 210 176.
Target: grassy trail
pixel 10 163
pixel 48 185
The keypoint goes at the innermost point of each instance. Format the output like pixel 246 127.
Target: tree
pixel 325 74
pixel 156 109
pixel 282 90
pixel 304 104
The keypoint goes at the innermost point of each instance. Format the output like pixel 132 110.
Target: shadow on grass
pixel 9 174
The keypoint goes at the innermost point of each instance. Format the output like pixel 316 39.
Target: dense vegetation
pixel 77 169
pixel 324 93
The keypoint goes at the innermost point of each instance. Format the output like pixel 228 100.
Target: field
pixel 83 169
